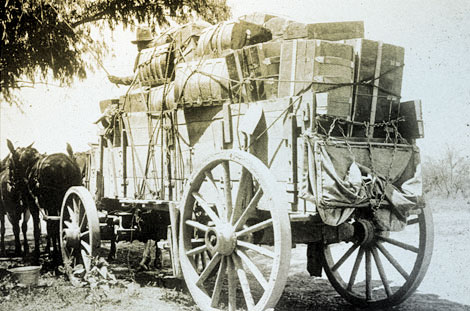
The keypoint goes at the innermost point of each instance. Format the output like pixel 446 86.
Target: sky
pixel 435 35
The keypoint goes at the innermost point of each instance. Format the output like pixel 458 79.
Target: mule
pixel 12 206
pixel 46 179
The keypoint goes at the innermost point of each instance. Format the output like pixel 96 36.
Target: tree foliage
pixel 43 39
pixel 447 175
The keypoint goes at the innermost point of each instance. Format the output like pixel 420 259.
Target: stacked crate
pixel 261 56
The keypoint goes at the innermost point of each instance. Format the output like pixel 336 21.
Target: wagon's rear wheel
pixel 385 267
pixel 79 231
pixel 230 212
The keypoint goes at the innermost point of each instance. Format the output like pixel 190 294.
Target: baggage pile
pixel 354 81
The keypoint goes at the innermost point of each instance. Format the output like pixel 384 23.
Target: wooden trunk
pixel 322 66
pixel 202 82
pixel 325 31
pixel 277 26
pixel 230 36
pixel 155 65
pixel 412 127
pixel 379 72
pixel 259 62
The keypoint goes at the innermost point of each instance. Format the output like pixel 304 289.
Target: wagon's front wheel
pixel 381 268
pixel 232 215
pixel 79 231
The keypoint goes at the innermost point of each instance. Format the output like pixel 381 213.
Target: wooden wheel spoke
pixel 232 286
pixel 206 207
pixel 257 227
pixel 243 282
pixel 259 249
pixel 405 246
pixel 244 193
pixel 208 269
pixel 84 233
pixel 253 269
pixel 82 221
pixel 67 224
pixel 380 268
pixel 196 250
pixel 76 209
pixel 219 205
pixel 413 221
pixel 250 207
pixel 227 190
pixel 86 246
pixel 71 214
pixel 197 225
pixel 393 261
pixel 368 276
pixel 357 263
pixel 345 257
pixel 218 283
pixel 85 259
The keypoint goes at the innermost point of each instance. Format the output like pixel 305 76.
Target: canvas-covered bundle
pixel 343 175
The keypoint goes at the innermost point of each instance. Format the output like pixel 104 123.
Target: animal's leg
pixel 37 235
pixel 158 257
pixel 112 251
pixel 14 220
pixel 2 234
pixel 146 255
pixel 24 228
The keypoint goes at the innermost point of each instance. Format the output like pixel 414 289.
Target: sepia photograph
pixel 234 155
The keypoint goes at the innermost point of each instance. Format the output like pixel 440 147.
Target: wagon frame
pixel 235 181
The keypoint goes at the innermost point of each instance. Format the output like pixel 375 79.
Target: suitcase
pixel 378 89
pixel 202 82
pixel 325 31
pixel 319 66
pixel 412 126
pixel 216 40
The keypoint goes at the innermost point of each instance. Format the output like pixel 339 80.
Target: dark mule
pixel 11 205
pixel 47 178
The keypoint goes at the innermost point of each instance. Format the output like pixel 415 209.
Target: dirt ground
pixel 445 287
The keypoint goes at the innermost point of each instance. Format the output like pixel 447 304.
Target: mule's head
pixel 20 162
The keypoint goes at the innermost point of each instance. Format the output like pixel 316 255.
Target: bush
pixel 447 175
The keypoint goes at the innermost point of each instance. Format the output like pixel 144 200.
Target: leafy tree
pixel 43 39
pixel 447 175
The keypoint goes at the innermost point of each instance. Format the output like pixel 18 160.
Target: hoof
pixel 142 267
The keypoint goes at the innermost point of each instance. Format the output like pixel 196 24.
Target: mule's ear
pixel 69 150
pixel 30 145
pixel 10 146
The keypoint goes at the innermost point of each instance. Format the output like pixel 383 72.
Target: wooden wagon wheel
pixel 241 210
pixel 79 230
pixel 400 258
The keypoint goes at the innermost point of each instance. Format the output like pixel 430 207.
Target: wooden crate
pixel 325 31
pixel 413 126
pixel 323 66
pixel 379 73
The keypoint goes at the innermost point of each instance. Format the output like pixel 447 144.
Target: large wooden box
pixel 252 68
pixel 324 67
pixel 412 126
pixel 378 78
pixel 325 31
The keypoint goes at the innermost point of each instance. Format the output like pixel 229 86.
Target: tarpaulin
pixel 344 175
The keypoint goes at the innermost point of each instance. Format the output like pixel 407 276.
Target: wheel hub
pixel 365 231
pixel 72 237
pixel 221 239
